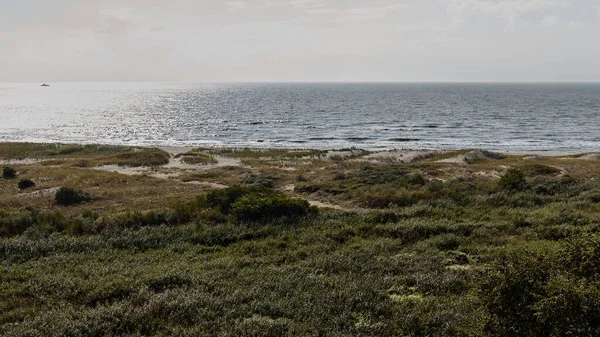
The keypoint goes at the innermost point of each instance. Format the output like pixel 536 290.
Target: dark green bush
pixel 510 292
pixel 539 170
pixel 261 208
pixel 25 183
pixel 563 186
pixel 513 180
pixel 16 221
pixel 416 179
pixel 530 294
pixel 8 173
pixel 67 196
pixel 448 242
pixel 250 203
pixel 224 198
pixel 461 190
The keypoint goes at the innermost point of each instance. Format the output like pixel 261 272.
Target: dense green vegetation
pixel 421 249
pixel 84 155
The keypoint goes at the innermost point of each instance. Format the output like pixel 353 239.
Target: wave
pixel 358 138
pixel 323 138
pixel 403 139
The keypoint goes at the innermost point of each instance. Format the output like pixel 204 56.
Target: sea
pixel 373 116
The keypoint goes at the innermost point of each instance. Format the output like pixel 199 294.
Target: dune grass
pixel 425 249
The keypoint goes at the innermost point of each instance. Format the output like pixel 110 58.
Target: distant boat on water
pixel 45 85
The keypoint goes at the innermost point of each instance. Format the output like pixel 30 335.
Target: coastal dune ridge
pixel 277 239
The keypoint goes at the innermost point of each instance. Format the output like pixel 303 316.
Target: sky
pixel 300 40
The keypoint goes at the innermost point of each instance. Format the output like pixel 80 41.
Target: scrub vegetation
pixel 500 247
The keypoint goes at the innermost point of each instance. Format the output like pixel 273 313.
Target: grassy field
pixel 224 242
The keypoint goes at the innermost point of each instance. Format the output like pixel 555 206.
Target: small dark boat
pixel 45 85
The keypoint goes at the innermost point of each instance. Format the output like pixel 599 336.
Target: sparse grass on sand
pixel 483 246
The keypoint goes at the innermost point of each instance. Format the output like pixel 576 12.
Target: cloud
pixel 236 5
pixel 306 3
pixel 549 21
pixel 509 11
pixel 215 40
pixel 321 14
pixel 372 13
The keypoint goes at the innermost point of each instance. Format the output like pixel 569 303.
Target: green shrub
pixel 539 170
pixel 259 180
pixel 510 292
pixel 198 159
pixel 222 200
pixel 138 158
pixel 447 242
pixel 261 208
pixel 249 203
pixel 416 179
pixel 563 186
pixel 513 180
pixel 8 173
pixel 25 183
pixel 529 294
pixel 15 222
pixel 66 196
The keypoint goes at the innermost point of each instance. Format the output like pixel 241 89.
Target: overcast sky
pixel 299 40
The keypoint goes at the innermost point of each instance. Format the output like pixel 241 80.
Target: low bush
pixel 532 294
pixel 259 180
pixel 251 208
pixel 8 173
pixel 222 200
pixel 235 204
pixel 563 186
pixel 25 183
pixel 137 158
pixel 447 242
pixel 198 159
pixel 539 170
pixel 66 196
pixel 513 180
pixel 16 221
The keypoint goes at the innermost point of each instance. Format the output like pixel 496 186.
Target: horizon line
pixel 321 82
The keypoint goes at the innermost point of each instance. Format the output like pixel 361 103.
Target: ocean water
pixel 502 117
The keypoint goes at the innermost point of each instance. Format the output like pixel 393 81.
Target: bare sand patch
pixel 47 192
pixel 590 156
pixel 402 156
pixel 26 161
pixel 171 170
pixel 473 156
pixel 207 184
pixel 325 205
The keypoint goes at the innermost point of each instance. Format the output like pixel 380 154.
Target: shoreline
pixel 179 149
